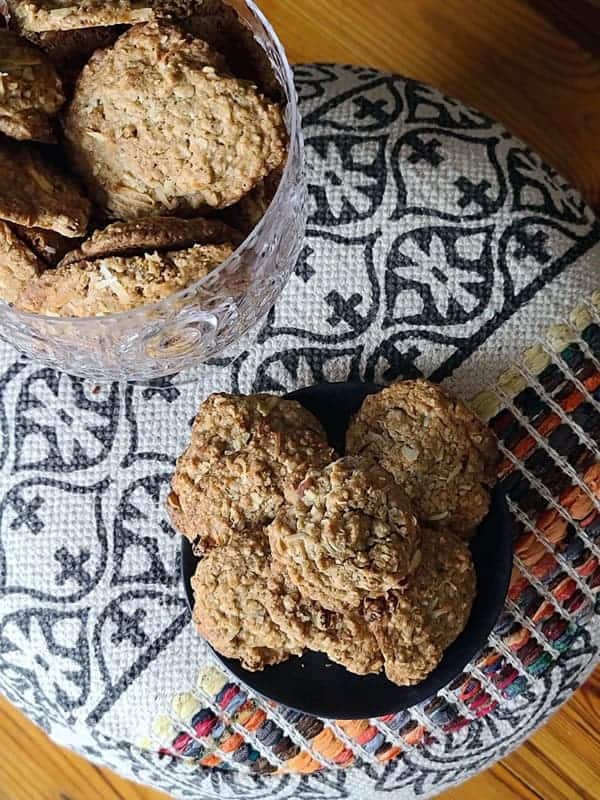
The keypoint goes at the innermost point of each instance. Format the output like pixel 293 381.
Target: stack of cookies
pixel 364 558
pixel 123 126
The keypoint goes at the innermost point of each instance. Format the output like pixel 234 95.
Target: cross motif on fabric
pixel 426 151
pixel 162 388
pixel 72 567
pixel 129 627
pixel 369 108
pixel 401 362
pixel 532 245
pixel 304 269
pixel 345 310
pixel 27 514
pixel 474 193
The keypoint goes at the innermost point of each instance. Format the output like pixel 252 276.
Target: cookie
pixel 414 626
pixel 344 637
pixel 18 265
pixel 36 194
pixel 246 214
pixel 118 283
pixel 31 92
pixel 155 234
pixel 49 246
pixel 219 24
pixel 157 125
pixel 70 50
pixel 53 15
pixel 246 455
pixel 228 423
pixel 231 608
pixel 349 535
pixel 435 448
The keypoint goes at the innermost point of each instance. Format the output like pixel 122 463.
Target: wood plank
pixel 501 56
pixel 34 768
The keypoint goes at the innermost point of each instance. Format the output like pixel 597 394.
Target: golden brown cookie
pixel 31 92
pixel 53 15
pixel 18 264
pixel 349 535
pixel 220 25
pixel 436 449
pixel 118 283
pixel 232 606
pixel 228 423
pixel 152 234
pixel 344 637
pixel 70 50
pixel 245 456
pixel 414 626
pixel 50 246
pixel 156 125
pixel 37 194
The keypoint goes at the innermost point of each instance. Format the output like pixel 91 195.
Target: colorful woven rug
pixel 437 245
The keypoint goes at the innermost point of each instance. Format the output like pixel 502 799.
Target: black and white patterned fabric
pixel 437 245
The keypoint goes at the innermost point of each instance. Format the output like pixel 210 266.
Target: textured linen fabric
pixel 437 245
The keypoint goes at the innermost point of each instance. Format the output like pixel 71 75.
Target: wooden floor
pixel 508 58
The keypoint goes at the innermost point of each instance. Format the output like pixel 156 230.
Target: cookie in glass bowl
pixel 127 265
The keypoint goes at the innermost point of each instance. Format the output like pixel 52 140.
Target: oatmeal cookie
pixel 31 92
pixel 415 625
pixel 210 504
pixel 228 423
pixel 221 26
pixel 18 264
pixel 232 602
pixel 36 194
pixel 350 534
pixel 154 234
pixel 118 283
pixel 52 15
pixel 157 125
pixel 245 454
pixel 70 50
pixel 436 449
pixel 49 246
pixel 344 637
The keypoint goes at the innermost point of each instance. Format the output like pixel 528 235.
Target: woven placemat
pixel 437 245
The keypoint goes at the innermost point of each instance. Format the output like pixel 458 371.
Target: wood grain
pixel 517 63
pixel 501 56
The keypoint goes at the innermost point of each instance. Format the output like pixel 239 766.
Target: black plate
pixel 313 684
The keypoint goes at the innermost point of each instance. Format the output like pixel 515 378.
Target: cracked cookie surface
pixel 246 454
pixel 436 449
pixel 152 234
pixel 414 626
pixel 348 535
pixel 31 92
pixel 18 264
pixel 119 283
pixel 174 132
pixel 37 194
pixel 232 602
pixel 61 15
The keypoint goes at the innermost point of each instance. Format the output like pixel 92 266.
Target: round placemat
pixel 437 245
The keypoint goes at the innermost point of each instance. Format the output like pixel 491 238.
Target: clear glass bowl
pixel 196 323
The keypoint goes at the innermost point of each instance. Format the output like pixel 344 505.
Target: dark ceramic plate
pixel 313 684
